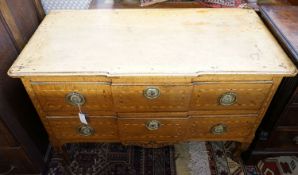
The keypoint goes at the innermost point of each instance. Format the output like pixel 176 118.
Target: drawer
pixel 229 95
pixel 134 98
pixel 152 129
pixel 220 128
pixel 102 128
pixel 284 140
pixel 55 97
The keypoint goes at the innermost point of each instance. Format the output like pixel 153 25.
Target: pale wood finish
pixel 155 42
pixel 113 68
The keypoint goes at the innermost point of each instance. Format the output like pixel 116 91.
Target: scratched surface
pixel 152 42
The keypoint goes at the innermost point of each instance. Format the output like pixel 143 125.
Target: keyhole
pixel 152 93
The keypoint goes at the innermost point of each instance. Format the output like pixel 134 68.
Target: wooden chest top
pixel 157 42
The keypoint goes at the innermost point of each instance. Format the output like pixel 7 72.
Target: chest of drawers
pixel 152 77
pixel 278 133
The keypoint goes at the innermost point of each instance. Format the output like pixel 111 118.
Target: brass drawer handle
pixel 228 98
pixel 86 130
pixel 219 129
pixel 295 140
pixel 151 93
pixel 75 99
pixel 153 125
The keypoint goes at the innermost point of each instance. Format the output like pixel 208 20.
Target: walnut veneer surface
pixel 152 77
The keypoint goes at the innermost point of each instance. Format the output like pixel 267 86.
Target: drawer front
pixel 151 98
pixel 152 129
pixel 284 140
pixel 70 128
pixel 57 99
pixel 220 128
pixel 229 96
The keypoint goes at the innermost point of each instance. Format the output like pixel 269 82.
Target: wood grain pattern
pixel 182 125
pixel 171 129
pixel 238 128
pixel 23 140
pixel 66 128
pixel 41 113
pixel 132 99
pixel 39 8
pixel 249 95
pixel 22 19
pixel 185 124
pixel 7 15
pixel 282 21
pixel 52 97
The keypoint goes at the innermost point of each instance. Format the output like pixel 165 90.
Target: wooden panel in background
pixel 23 139
pixel 21 18
pixel 169 129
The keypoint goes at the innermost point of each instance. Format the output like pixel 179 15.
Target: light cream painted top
pixel 152 42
